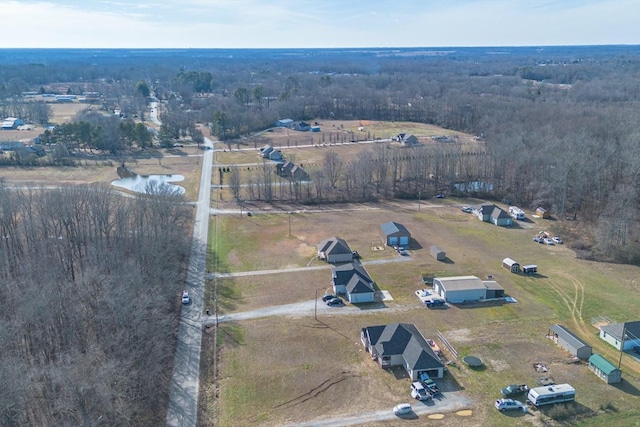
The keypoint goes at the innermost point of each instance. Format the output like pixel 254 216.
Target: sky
pixel 315 23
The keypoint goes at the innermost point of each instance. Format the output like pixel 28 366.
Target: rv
pixel 516 213
pixel 551 394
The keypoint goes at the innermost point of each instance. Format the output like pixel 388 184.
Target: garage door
pixel 404 240
pixel 393 240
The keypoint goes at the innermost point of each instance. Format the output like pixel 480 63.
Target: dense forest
pixel 90 285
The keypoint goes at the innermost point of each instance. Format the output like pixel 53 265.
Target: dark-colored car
pixel 328 297
pixel 636 349
pixel 514 390
pixel 435 303
pixel 334 302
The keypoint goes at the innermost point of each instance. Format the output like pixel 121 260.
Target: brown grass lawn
pixel 272 369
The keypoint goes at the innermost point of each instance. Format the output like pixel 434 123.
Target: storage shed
pixel 542 212
pixel 530 269
pixel 604 369
pixel 395 234
pixel 567 340
pixel 511 265
pixel 437 253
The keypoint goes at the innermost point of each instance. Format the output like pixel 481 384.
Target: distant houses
pixel 406 139
pixel 11 123
pixel 270 153
pixel 292 171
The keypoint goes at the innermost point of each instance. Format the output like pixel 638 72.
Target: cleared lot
pixel 280 360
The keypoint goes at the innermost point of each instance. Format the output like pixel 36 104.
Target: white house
pixel 623 336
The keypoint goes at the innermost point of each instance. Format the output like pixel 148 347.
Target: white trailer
pixel 516 213
pixel 550 394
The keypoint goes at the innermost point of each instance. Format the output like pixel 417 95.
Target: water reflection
pixel 150 183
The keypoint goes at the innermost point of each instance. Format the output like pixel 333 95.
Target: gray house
pixel 335 249
pixel 494 215
pixel 567 340
pixel 401 344
pixel 466 289
pixel 353 281
pixel 604 369
pixel 406 139
pixel 395 234
pixel 613 334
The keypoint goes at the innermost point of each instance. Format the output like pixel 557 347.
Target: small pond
pixel 142 183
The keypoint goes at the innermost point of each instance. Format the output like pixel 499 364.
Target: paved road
pixel 183 392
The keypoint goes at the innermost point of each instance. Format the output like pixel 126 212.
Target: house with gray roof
pixel 335 249
pixel 401 344
pixel 353 280
pixel 623 336
pixel 493 214
pixel 406 139
pixel 567 340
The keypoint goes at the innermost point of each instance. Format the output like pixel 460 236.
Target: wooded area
pixel 90 284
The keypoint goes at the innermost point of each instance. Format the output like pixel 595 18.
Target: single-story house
pixel 437 253
pixel 494 215
pixel 284 123
pixel 460 289
pixel 567 340
pixel 265 151
pixel 353 281
pixel 275 155
pixel 335 249
pixel 290 170
pixel 302 127
pixel 395 234
pixel 406 139
pixel 511 265
pixel 604 369
pixel 11 123
pixel 401 344
pixel 613 334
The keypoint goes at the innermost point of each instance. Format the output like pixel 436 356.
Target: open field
pixel 267 362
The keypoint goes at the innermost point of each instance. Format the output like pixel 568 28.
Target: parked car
pixel 549 241
pixel 402 251
pixel 514 390
pixel 328 297
pixel 509 405
pixel 439 196
pixel 434 303
pixel 402 409
pixel 419 392
pixel 186 299
pixel 429 384
pixel 467 209
pixel 176 145
pixel 334 302
pixel 557 240
pixel 538 239
pixel 423 293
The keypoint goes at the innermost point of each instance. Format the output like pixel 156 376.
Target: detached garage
pixel 466 289
pixel 567 340
pixel 395 234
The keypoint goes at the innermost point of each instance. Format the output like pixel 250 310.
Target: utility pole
pixel 315 311
pixel 624 333
pixel 289 214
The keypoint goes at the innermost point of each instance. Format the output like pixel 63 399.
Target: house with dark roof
pixel 284 123
pixel 395 234
pixel 567 340
pixel 401 344
pixel 335 249
pixel 406 139
pixel 494 215
pixel 623 336
pixel 353 281
pixel 604 369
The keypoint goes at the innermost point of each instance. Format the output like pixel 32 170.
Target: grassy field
pixel 273 373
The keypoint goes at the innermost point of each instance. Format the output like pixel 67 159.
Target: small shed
pixel 511 265
pixel 604 369
pixel 437 253
pixel 530 269
pixel 567 340
pixel 542 212
pixel 395 234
